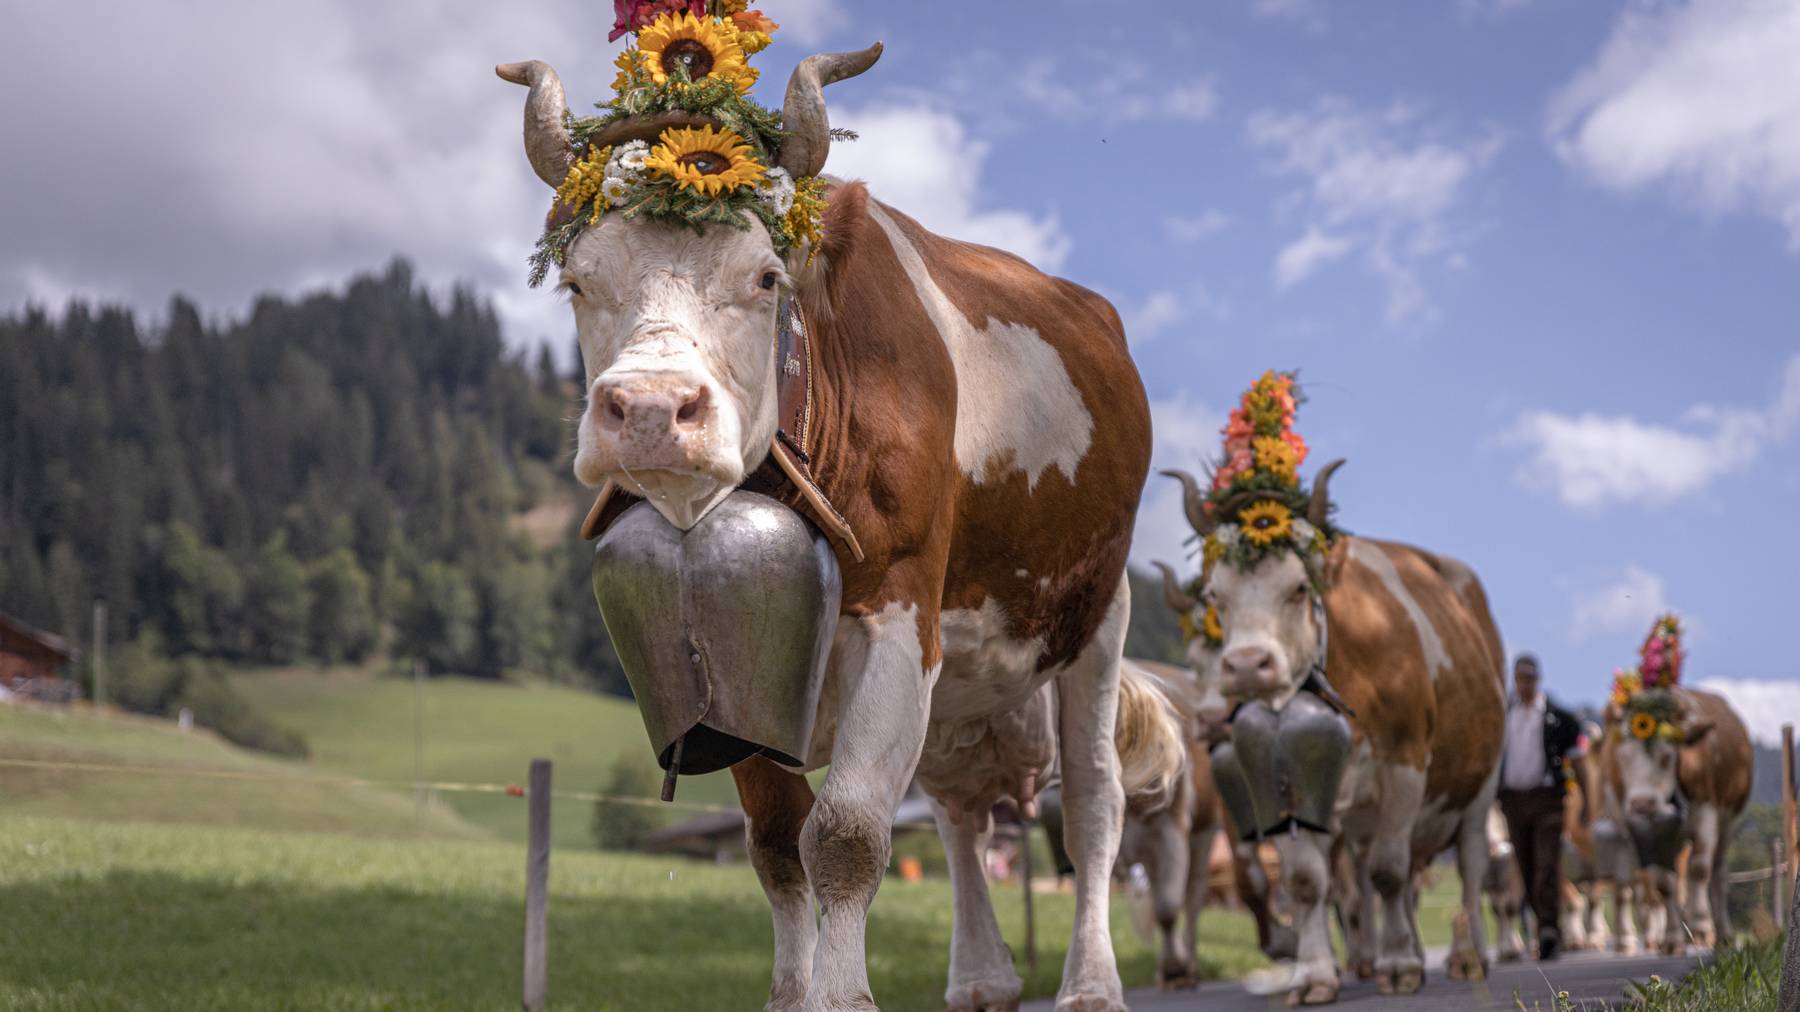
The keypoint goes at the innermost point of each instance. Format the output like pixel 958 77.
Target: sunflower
pixel 1274 455
pixel 1214 631
pixel 1266 522
pixel 697 47
pixel 1643 726
pixel 706 161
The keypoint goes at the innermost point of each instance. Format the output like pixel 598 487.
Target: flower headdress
pixel 681 140
pixel 1644 696
pixel 1255 503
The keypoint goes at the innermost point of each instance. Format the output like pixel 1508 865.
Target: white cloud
pixel 1764 705
pixel 1383 183
pixel 1300 258
pixel 1193 228
pixel 1627 604
pixel 1121 93
pixel 1592 460
pixel 1163 308
pixel 1701 97
pixel 1309 14
pixel 927 163
pixel 1186 437
pixel 807 22
pixel 1148 319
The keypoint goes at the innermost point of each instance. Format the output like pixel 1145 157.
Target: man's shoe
pixel 1547 948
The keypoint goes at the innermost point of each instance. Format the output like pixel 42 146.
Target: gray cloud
pixel 222 149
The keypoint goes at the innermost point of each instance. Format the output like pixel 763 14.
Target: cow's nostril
pixel 614 408
pixel 690 411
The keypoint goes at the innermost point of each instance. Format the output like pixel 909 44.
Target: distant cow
pixel 1705 778
pixel 1414 652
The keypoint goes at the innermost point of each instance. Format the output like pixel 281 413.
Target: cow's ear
pixel 1336 558
pixel 1614 715
pixel 1696 730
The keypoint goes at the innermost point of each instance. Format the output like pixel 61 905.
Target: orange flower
pixel 754 21
pixel 1294 440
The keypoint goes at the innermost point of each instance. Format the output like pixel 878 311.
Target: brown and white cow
pixel 1708 773
pixel 983 432
pixel 1414 651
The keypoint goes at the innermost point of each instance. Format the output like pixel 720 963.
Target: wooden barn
pixel 32 660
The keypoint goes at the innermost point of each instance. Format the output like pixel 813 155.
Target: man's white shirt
pixel 1523 768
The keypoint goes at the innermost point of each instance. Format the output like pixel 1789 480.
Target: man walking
pixel 1541 744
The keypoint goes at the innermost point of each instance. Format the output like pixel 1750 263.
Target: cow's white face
pixel 1203 660
pixel 1648 775
pixel 1270 633
pixel 677 333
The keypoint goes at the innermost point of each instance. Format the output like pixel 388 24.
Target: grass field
pixel 147 916
pixel 362 725
pixel 281 801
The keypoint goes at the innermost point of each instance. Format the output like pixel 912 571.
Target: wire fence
pixel 452 786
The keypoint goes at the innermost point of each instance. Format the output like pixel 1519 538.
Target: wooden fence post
pixel 1031 955
pixel 1776 881
pixel 1790 822
pixel 537 882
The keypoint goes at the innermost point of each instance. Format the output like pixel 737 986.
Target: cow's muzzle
pixel 723 630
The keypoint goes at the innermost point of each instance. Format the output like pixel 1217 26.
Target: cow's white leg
pixel 1721 913
pixel 1574 917
pixel 1200 848
pixel 1506 899
pixel 1306 872
pixel 776 802
pixel 1697 904
pixel 1093 807
pixel 1469 961
pixel 1627 916
pixel 1354 898
pixel 1662 898
pixel 1398 967
pixel 1599 936
pixel 1167 863
pixel 981 967
pixel 848 837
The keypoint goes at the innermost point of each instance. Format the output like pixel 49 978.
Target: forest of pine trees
pixel 330 479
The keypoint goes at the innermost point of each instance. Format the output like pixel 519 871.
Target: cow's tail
pixel 1152 753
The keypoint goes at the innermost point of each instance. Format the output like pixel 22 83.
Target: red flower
pixel 631 15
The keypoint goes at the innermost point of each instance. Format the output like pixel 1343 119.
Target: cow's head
pixel 1202 652
pixel 1647 752
pixel 1270 628
pixel 677 324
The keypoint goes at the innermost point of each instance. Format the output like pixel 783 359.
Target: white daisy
pixel 1226 534
pixel 628 159
pixel 613 190
pixel 1302 534
pixel 777 189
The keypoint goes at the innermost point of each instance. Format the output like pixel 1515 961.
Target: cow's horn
pixel 547 141
pixel 1177 598
pixel 806 132
pixel 1321 496
pixel 1192 502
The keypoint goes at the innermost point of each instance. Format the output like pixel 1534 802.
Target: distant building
pixel 32 662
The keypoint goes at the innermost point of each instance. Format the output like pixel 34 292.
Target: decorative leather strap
pixel 791 452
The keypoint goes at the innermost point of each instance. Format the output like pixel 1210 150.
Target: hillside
pixel 273 794
pixel 475 730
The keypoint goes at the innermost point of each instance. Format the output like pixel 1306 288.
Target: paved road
pixel 1588 976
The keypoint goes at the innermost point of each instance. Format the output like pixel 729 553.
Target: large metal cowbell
pixel 723 630
pixel 1293 761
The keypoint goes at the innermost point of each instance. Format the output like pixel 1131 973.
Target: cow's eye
pixel 1298 594
pixel 768 280
pixel 571 287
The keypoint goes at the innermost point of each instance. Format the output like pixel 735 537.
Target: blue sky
pixel 1536 259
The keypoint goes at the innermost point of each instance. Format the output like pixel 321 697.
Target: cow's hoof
pixel 1409 981
pixel 985 996
pixel 1364 969
pixel 1091 1003
pixel 1316 993
pixel 1179 979
pixel 1466 966
pixel 1511 956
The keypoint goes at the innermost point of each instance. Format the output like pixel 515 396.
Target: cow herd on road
pixel 974 438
